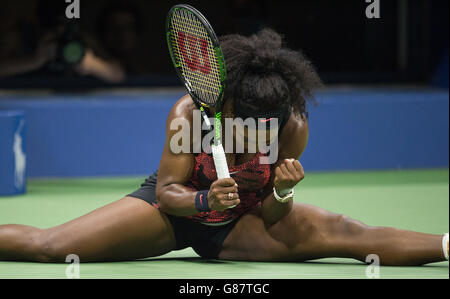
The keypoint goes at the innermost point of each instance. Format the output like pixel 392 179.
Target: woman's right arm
pixel 175 170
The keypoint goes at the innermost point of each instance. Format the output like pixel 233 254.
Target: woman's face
pixel 249 135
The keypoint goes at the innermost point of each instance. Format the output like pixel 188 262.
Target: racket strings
pixel 195 54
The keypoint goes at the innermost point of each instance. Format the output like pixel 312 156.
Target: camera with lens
pixel 70 48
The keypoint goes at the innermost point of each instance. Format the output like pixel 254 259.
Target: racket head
pixel 196 54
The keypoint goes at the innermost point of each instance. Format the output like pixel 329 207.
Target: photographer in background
pixel 60 48
pixel 120 30
pixel 19 52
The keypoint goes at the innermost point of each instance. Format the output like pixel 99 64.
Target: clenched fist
pixel 223 194
pixel 288 174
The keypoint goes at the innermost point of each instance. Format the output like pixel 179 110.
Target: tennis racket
pixel 199 62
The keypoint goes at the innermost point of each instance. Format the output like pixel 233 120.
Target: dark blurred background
pixel 89 90
pixel 122 43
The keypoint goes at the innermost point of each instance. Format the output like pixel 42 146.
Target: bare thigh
pixel 309 232
pixel 123 230
pixel 299 236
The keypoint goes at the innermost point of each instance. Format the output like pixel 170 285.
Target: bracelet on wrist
pixel 285 198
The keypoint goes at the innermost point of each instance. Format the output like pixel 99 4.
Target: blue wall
pixel 379 129
pixel 112 134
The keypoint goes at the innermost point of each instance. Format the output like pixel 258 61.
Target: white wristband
pixel 284 198
pixel 445 245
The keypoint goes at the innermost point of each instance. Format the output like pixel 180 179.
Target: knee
pixel 48 249
pixel 344 225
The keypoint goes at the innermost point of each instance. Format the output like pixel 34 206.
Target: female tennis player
pixel 184 205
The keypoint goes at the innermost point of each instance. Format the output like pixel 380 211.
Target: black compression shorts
pixel 206 240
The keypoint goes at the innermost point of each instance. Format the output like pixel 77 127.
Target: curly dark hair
pixel 263 75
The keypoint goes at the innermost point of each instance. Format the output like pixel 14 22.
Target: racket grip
pixel 220 161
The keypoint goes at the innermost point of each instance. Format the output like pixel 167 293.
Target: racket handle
pixel 220 161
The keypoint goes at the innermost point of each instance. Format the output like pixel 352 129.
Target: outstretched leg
pixel 310 232
pixel 123 230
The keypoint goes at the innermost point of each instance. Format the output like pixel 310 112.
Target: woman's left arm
pixel 287 171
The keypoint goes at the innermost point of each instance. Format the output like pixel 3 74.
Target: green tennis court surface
pixel 415 200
